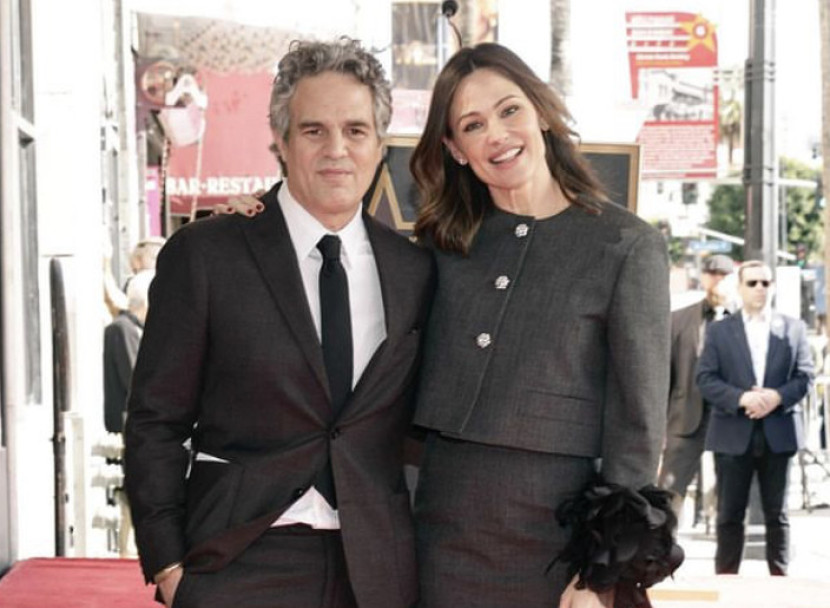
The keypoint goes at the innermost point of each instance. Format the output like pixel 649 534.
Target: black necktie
pixel 335 322
pixel 336 338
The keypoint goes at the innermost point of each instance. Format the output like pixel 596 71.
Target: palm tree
pixel 731 123
pixel 560 60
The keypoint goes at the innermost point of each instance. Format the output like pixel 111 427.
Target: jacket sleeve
pixel 637 384
pixel 803 373
pixel 163 405
pixel 723 396
pixel 674 345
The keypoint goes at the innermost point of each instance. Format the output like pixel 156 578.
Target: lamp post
pixel 760 172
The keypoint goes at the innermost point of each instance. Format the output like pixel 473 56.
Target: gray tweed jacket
pixel 553 336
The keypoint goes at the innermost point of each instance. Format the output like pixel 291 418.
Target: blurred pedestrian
pixel 144 255
pixel 687 412
pixel 122 338
pixel 755 368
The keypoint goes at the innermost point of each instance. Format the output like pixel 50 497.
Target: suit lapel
pixel 270 244
pixel 386 249
pixel 736 323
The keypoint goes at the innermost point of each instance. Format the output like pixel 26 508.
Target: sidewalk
pixel 809 549
pixel 808 583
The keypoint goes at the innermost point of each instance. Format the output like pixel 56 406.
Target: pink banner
pixel 232 156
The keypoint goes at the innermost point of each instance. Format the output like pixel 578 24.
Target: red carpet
pixel 75 583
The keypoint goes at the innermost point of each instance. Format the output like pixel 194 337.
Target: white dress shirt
pixel 757 329
pixel 367 315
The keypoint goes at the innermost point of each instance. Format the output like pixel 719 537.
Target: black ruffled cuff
pixel 621 539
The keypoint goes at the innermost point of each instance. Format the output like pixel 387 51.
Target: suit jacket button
pixel 483 340
pixel 521 231
pixel 335 433
pixel 502 282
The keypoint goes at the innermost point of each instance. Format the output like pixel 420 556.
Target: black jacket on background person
pixel 121 340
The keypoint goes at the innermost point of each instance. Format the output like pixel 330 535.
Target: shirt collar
pixel 762 317
pixel 708 310
pixel 306 230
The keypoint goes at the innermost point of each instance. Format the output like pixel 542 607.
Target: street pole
pixel 760 177
pixel 760 172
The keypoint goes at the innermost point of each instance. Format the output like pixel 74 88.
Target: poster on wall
pixel 673 59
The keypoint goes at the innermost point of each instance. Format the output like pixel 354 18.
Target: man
pixel 755 368
pixel 144 256
pixel 121 341
pixel 295 495
pixel 122 338
pixel 687 412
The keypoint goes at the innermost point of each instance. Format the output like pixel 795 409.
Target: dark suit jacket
pixel 231 358
pixel 725 372
pixel 685 403
pixel 121 340
pixel 578 362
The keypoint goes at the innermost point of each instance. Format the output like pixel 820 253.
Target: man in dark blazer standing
pixel 687 413
pixel 755 368
pixel 291 493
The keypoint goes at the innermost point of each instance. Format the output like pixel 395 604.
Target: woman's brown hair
pixel 454 200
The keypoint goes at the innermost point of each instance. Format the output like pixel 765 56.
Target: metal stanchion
pixel 814 416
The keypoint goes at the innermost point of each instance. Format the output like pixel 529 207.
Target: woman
pixel 548 345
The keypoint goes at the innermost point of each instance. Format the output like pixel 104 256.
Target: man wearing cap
pixel 755 368
pixel 687 412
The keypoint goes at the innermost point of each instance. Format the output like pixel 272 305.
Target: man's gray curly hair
pixel 344 56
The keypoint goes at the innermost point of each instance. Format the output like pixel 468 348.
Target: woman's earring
pixel 461 161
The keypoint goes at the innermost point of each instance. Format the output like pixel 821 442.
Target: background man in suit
pixel 295 495
pixel 687 413
pixel 755 368
pixel 122 338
